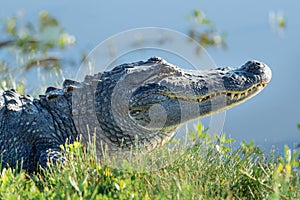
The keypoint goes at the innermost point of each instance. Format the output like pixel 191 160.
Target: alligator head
pixel 181 95
pixel 147 101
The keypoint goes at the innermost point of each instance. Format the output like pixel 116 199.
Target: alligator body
pixel 133 106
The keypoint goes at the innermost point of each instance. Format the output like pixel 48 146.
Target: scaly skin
pixel 134 106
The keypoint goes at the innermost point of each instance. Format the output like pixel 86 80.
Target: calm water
pixel 271 117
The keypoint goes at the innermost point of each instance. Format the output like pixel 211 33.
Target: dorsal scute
pixel 49 89
pixel 70 85
pixel 12 100
pixel 53 93
pixel 156 59
pixel 89 78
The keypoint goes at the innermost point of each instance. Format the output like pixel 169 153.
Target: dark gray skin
pixel 134 106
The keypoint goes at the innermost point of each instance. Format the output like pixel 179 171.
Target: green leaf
pixel 287 154
pixel 74 184
pixel 229 140
pixel 206 21
pixel 199 128
pixel 11 26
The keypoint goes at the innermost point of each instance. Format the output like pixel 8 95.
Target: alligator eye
pixel 12 101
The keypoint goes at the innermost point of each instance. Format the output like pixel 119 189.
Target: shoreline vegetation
pixel 210 169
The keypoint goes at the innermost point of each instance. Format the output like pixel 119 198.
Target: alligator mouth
pixel 212 103
pixel 237 95
pixel 234 96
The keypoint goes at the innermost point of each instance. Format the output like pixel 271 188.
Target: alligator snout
pixel 258 68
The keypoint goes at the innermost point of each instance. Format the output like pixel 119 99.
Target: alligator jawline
pixel 233 95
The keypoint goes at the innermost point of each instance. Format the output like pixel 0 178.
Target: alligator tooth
pixel 238 96
pixel 232 96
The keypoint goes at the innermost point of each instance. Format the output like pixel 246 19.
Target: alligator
pixel 136 105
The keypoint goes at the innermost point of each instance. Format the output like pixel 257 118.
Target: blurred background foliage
pixel 204 31
pixel 25 45
pixel 34 42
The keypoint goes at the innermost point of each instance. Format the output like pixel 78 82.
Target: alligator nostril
pixel 253 66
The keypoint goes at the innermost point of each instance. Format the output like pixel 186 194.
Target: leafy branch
pixel 204 31
pixel 35 42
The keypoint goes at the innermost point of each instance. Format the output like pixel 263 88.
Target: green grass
pixel 208 170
